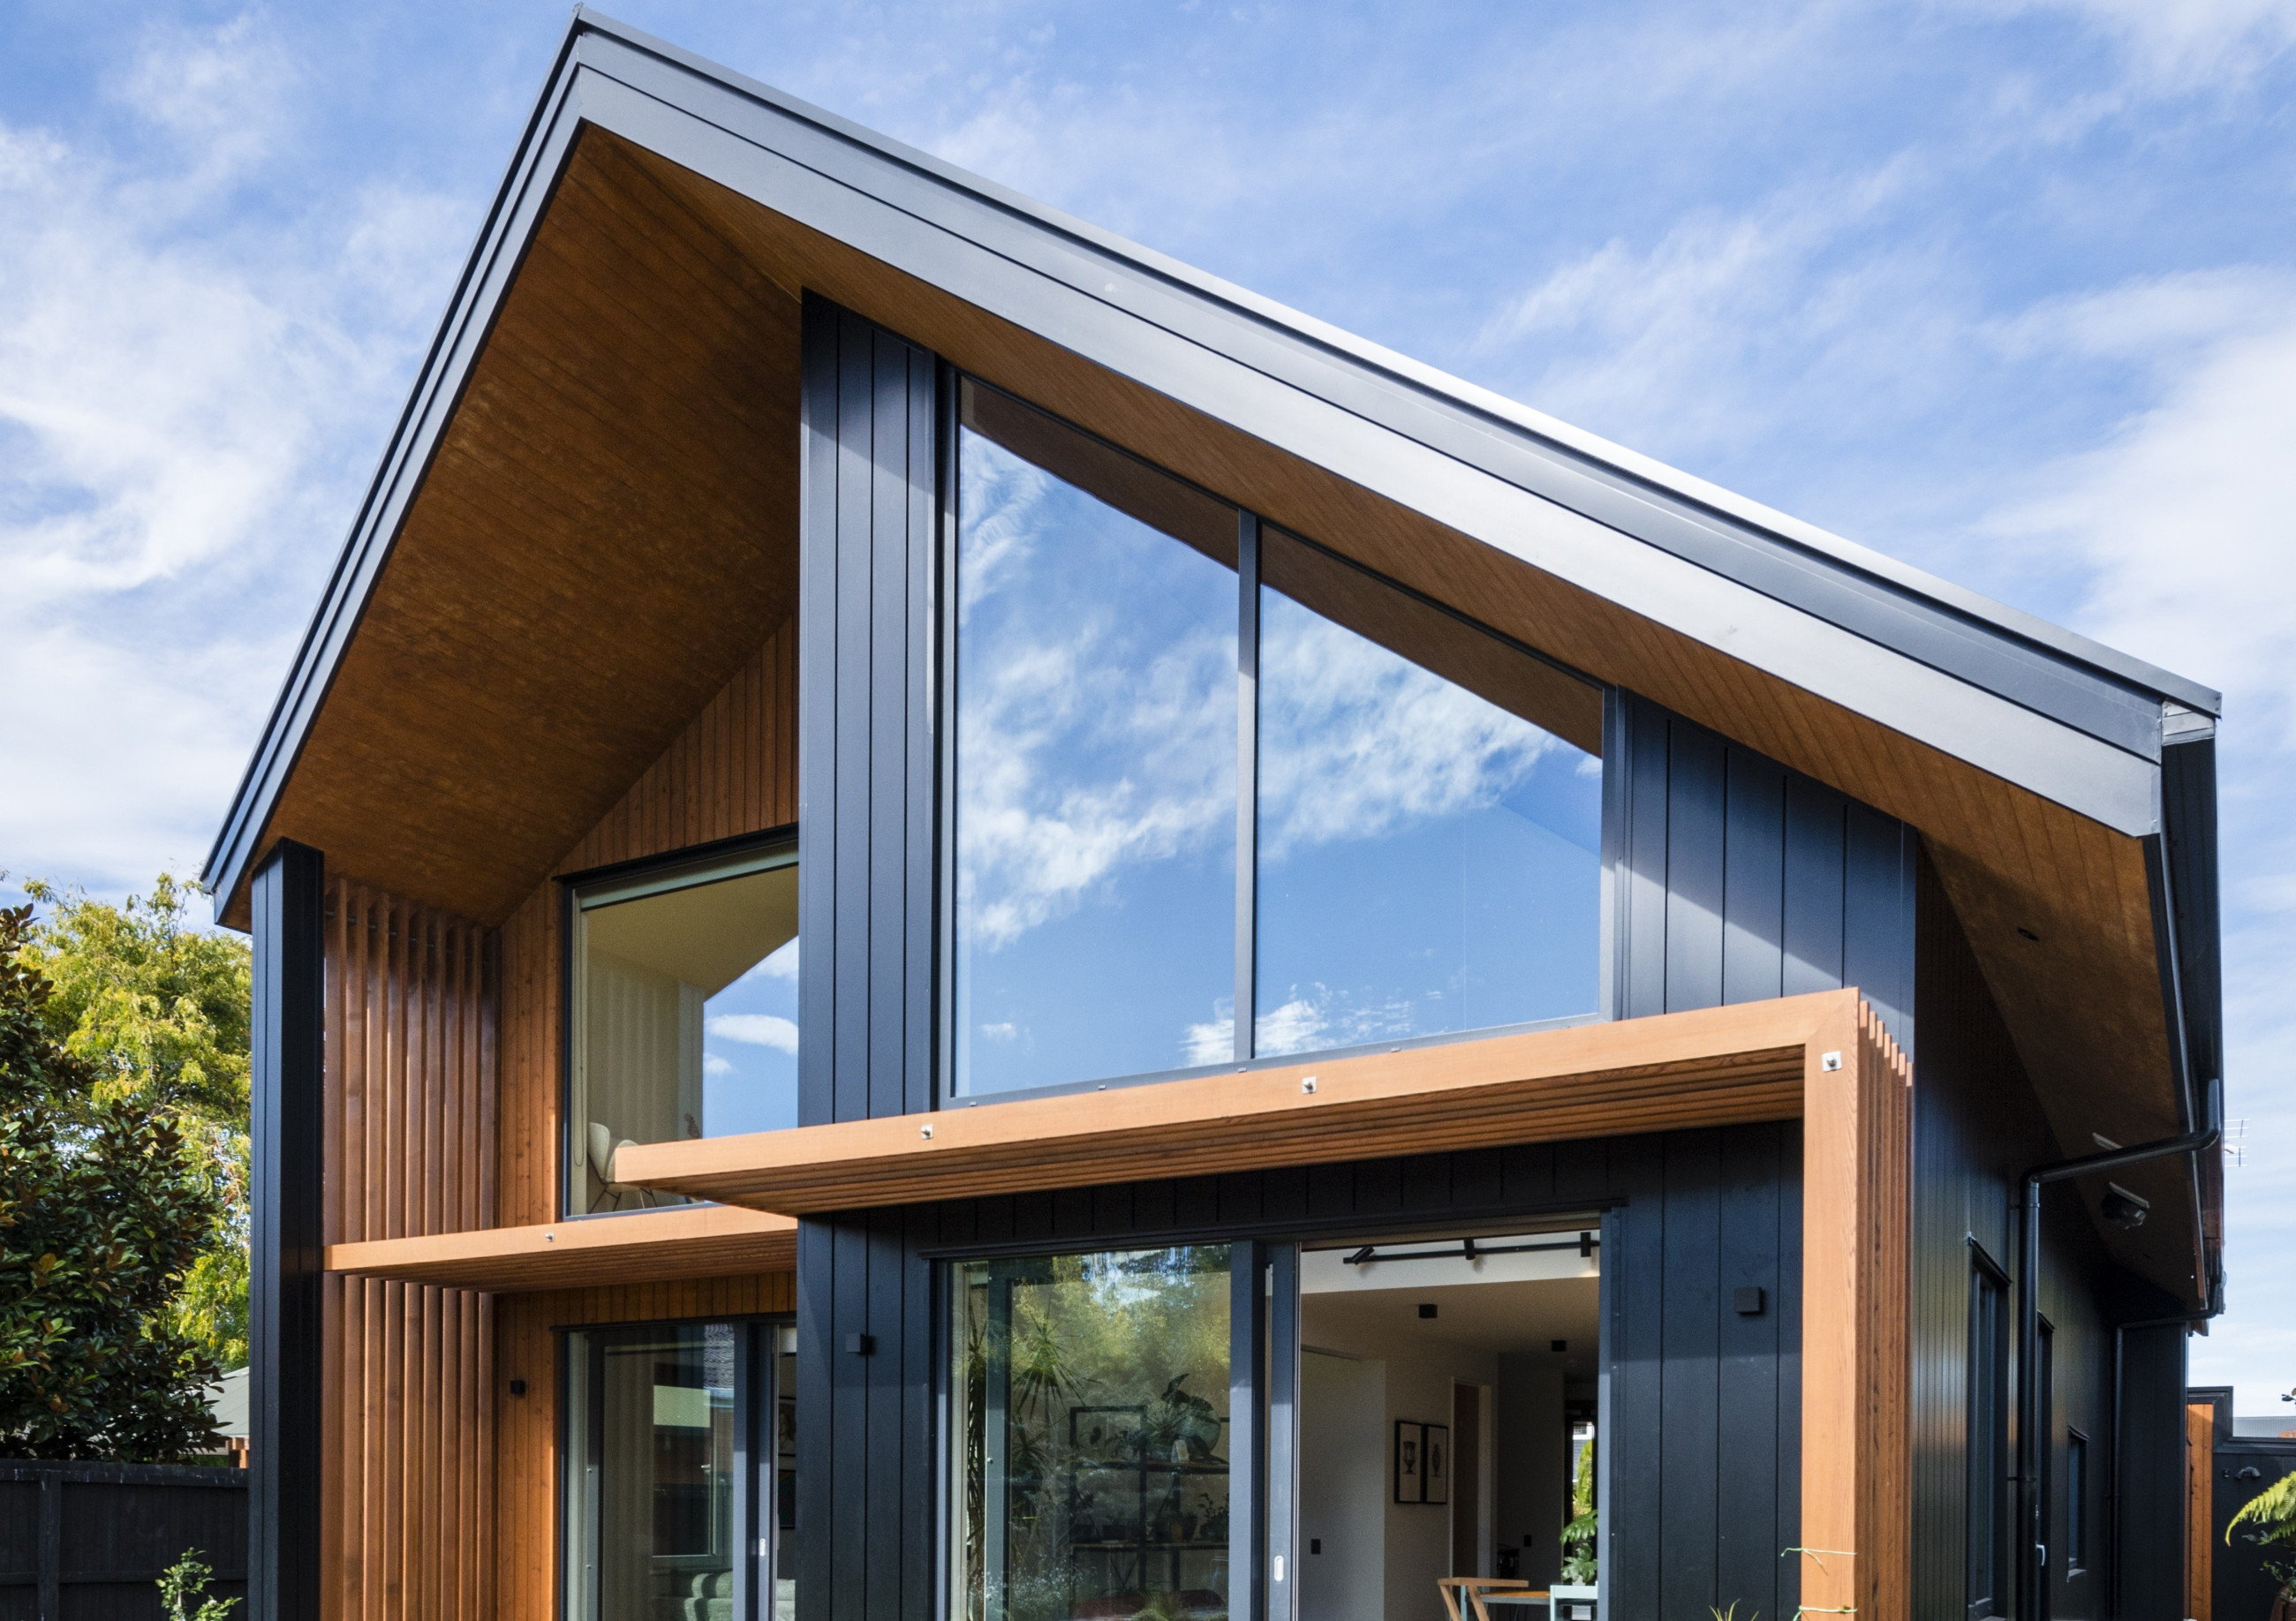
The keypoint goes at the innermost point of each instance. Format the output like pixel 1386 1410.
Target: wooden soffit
pixel 606 530
pixel 637 1247
pixel 1717 1067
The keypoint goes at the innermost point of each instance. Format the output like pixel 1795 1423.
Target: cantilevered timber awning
pixel 1717 1067
pixel 639 1247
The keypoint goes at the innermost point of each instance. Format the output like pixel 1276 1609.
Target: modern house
pixel 952 924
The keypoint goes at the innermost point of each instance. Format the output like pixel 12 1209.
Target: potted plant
pixel 2271 1518
pixel 1577 1576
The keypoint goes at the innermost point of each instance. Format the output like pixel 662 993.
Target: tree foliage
pixel 157 1010
pixel 104 1208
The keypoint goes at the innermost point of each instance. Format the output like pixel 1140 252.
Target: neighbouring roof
pixel 585 521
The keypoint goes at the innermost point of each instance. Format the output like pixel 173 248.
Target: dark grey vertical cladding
pixel 2149 1473
pixel 868 799
pixel 286 1263
pixel 1737 879
pixel 1705 1439
pixel 1977 1126
pixel 866 768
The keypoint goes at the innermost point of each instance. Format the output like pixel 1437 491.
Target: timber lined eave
pixel 1676 1071
pixel 631 1247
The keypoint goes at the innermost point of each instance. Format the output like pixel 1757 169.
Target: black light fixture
pixel 2122 1209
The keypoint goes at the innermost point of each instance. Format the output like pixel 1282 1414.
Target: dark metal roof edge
pixel 478 290
pixel 1496 409
pixel 343 602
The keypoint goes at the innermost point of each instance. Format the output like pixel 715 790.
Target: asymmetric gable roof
pixel 580 528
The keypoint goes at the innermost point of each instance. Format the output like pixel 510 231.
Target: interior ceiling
pixel 610 527
pixel 1523 1318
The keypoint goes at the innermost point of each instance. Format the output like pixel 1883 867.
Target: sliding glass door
pixel 680 1470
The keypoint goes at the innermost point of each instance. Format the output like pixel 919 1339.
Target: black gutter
pixel 2032 1548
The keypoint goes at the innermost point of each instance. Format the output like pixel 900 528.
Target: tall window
pixel 1095 756
pixel 1988 1440
pixel 682 988
pixel 1091 1476
pixel 1429 854
pixel 1220 794
pixel 678 1468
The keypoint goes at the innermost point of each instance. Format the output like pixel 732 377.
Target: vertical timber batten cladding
pixel 411 1151
pixel 442 1086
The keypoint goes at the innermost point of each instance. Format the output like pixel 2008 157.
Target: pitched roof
pixel 656 225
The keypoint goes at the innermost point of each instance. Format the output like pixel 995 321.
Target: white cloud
pixel 190 391
pixel 754 1029
pixel 2187 44
pixel 2184 520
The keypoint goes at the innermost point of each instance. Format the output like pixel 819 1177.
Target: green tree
pixel 103 1210
pixel 156 1009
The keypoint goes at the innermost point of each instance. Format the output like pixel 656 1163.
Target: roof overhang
pixel 584 522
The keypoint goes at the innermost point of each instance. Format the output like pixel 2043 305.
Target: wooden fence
pixel 87 1542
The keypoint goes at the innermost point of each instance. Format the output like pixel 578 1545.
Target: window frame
pixel 1986 1370
pixel 2076 1500
pixel 943 663
pixel 688 866
pixel 754 1357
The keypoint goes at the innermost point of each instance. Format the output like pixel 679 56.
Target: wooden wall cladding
pixel 526 1428
pixel 409 1409
pixel 732 772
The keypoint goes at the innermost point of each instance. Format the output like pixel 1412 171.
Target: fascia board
pixel 949 190
pixel 2112 785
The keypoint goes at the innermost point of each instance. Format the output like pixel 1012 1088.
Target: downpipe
pixel 2032 1547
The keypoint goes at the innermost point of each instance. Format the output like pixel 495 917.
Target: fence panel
pixel 87 1542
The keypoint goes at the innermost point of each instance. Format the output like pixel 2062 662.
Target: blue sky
pixel 2005 289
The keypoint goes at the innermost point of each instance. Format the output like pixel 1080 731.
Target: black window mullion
pixel 1247 776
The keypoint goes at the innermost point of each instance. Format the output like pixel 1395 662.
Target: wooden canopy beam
pixel 1718 1065
pixel 638 1247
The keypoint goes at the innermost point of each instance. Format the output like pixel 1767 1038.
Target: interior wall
pixel 1418 1370
pixel 1344 1488
pixel 1531 1442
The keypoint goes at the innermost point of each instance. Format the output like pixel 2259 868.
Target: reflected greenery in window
pixel 1091 1478
pixel 1095 756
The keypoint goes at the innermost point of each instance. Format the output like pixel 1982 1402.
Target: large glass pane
pixel 650 1511
pixel 1430 819
pixel 1091 1478
pixel 685 990
pixel 1095 759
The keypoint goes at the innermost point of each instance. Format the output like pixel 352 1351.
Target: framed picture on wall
pixel 1435 1463
pixel 1410 1477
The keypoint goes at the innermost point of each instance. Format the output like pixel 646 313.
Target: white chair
pixel 603 1150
